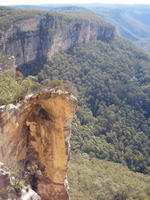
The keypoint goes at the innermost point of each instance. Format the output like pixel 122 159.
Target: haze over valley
pixel 83 64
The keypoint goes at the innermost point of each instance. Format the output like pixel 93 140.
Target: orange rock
pixel 34 141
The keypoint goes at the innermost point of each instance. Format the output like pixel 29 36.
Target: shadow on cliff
pixel 33 67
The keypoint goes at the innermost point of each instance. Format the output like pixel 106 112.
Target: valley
pixel 53 55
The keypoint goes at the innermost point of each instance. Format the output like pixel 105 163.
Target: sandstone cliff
pixel 34 141
pixel 41 36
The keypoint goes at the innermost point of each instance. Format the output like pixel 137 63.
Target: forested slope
pixel 113 82
pixel 95 179
pixel 131 21
pixel 111 79
pixel 33 36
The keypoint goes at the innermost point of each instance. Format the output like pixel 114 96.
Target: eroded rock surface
pixel 41 36
pixel 12 188
pixel 34 141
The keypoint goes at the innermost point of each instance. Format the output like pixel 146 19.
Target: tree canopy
pixel 113 82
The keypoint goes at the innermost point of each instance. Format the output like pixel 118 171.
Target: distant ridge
pixel 131 21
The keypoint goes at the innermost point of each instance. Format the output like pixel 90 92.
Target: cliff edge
pixel 38 36
pixel 35 144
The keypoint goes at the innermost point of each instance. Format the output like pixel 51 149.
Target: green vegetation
pixel 34 170
pixel 16 186
pixel 10 15
pixel 95 179
pixel 12 183
pixel 131 22
pixel 83 14
pixel 113 82
pixel 13 87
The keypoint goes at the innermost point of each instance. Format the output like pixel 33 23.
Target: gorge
pixel 41 35
pixel 78 52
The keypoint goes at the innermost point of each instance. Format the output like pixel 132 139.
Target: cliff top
pixel 85 14
pixel 11 15
pixel 31 97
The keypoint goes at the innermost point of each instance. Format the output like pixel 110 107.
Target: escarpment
pixel 41 36
pixel 34 141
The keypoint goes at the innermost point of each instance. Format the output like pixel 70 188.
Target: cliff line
pixel 42 35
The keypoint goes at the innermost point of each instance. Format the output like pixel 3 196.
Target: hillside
pixel 112 81
pixel 33 36
pixel 131 22
pixel 111 78
pixel 97 179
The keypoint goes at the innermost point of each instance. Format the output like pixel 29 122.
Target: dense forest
pixel 14 87
pixel 112 84
pixel 112 81
pixel 94 179
pixel 131 21
pixel 10 15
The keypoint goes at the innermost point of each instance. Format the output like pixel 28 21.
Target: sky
pixel 29 2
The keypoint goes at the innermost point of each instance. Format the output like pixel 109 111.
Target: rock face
pixel 43 36
pixel 34 141
pixel 12 189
